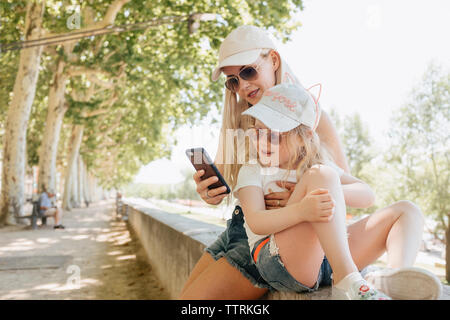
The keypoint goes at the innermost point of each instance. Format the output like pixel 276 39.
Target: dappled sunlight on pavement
pixel 95 257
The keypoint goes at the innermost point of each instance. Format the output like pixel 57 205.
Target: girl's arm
pixel 329 136
pixel 317 206
pixel 357 193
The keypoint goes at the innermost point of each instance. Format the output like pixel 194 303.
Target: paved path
pixel 95 257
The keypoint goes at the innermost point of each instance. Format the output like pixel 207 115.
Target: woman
pixel 249 60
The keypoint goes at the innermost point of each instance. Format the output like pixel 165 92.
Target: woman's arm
pixel 329 136
pixel 357 193
pixel 317 206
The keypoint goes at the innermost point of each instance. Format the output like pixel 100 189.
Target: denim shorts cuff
pixel 241 269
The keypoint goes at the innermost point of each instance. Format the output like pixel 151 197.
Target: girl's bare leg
pixel 302 246
pixel 396 229
pixel 219 280
pixel 333 235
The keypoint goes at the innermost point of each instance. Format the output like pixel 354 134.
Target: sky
pixel 367 54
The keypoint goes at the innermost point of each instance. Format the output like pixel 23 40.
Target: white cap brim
pixel 238 59
pixel 265 114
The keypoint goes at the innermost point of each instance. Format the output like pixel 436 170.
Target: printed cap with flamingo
pixel 285 107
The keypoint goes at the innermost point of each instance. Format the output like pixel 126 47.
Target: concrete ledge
pixel 174 244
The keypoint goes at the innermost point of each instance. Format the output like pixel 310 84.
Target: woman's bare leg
pixel 202 264
pixel 219 280
pixel 396 229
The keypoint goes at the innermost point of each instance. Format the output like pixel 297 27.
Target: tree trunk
pixel 95 189
pixel 86 195
pixel 75 142
pixel 92 188
pixel 55 116
pixel 80 197
pixel 74 188
pixel 13 173
pixel 74 178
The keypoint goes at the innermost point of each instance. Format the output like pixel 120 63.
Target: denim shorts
pixel 233 245
pixel 273 271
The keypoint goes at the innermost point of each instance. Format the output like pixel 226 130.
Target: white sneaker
pixel 406 283
pixel 357 290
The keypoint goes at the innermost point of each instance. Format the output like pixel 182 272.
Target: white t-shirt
pixel 265 178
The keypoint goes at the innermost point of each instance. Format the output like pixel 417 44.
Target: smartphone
pixel 201 161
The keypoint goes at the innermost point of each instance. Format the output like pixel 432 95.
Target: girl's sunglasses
pixel 248 74
pixel 272 137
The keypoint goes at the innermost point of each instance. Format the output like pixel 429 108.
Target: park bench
pixel 35 214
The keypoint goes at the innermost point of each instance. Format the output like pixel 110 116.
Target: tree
pixel 420 151
pixel 357 142
pixel 165 79
pixel 14 140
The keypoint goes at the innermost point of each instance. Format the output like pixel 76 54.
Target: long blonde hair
pixel 232 120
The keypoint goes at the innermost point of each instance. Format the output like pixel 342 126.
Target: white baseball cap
pixel 241 47
pixel 285 107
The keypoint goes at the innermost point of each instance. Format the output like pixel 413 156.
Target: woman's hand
pixel 210 196
pixel 276 200
pixel 317 206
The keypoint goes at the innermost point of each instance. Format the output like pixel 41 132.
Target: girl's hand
pixel 317 206
pixel 276 200
pixel 210 196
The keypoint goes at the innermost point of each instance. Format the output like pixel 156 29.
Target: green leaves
pixel 420 139
pixel 160 75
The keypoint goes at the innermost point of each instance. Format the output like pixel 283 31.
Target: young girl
pixel 288 244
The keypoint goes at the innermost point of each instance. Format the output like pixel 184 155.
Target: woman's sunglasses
pixel 248 74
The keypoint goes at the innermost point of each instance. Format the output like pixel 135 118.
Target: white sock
pixel 345 284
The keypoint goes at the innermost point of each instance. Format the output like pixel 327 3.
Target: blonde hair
pixel 303 157
pixel 233 120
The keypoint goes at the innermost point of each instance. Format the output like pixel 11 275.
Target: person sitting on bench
pixel 49 209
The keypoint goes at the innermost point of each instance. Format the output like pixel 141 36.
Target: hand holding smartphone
pixel 201 161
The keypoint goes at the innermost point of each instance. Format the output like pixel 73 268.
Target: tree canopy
pixel 148 81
